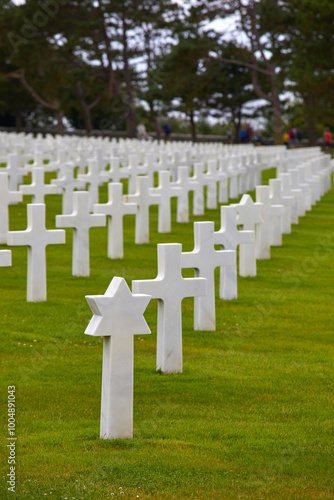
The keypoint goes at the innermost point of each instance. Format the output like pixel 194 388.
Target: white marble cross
pixel 262 237
pixel 58 164
pixel 276 198
pixel 93 180
pixel 117 317
pixel 37 188
pixel 242 180
pixel 259 165
pixel 81 160
pixel 304 197
pixel 115 209
pixel 6 198
pixel 198 197
pixel 313 175
pixel 312 182
pixel 322 166
pixel 144 199
pixel 151 166
pixel 102 160
pixel 36 237
pixel 5 258
pixel 222 178
pixel 81 221
pixel 249 217
pixel 290 194
pixel 230 237
pixel 210 181
pixel 14 171
pixel 116 172
pixel 304 186
pixel 167 190
pixel 169 287
pixel 106 175
pixel 251 169
pixel 204 259
pixel 67 183
pixel 233 174
pixel 134 170
pixel 187 184
pixel 170 164
pixel 38 158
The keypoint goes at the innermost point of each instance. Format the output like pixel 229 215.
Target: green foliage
pixel 97 62
pixel 304 33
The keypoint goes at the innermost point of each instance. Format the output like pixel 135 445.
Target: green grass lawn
pixel 250 417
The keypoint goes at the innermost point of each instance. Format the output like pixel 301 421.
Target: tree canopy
pixel 102 64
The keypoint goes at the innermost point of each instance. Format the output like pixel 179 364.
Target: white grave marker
pixel 117 317
pixel 144 199
pixel 198 198
pixel 116 172
pixel 36 237
pixel 115 209
pixel 222 183
pixel 81 221
pixel 210 180
pixel 187 184
pixel 134 170
pixel 242 168
pixel 167 190
pixel 262 236
pixel 6 198
pixel 204 259
pixel 14 171
pixel 230 237
pixel 93 180
pixel 304 198
pixel 169 287
pixel 37 188
pixel 233 174
pixel 67 183
pixel 249 216
pixel 276 198
pixel 5 258
pixel 291 197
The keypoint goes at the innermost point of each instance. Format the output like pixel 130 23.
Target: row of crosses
pixel 118 314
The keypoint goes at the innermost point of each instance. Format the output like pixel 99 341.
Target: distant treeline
pixel 107 65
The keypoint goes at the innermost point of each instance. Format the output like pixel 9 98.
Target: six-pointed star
pixel 118 311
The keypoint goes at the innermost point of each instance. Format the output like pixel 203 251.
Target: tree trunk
pixel 277 123
pixel 310 121
pixel 193 126
pixel 60 125
pixel 18 121
pixel 46 102
pixel 311 131
pixel 87 119
pixel 111 76
pixel 130 115
pixel 155 121
pixel 85 109
pixel 236 120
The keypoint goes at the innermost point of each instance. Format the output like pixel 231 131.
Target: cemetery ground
pixel 250 417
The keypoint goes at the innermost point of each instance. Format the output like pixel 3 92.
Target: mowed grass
pixel 250 417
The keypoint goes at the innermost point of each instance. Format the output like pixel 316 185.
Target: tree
pixel 309 39
pixel 39 61
pixel 155 33
pixel 183 68
pixel 265 48
pixel 229 86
